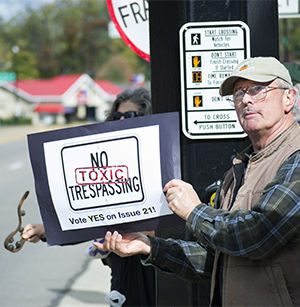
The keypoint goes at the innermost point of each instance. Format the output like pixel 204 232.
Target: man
pixel 250 247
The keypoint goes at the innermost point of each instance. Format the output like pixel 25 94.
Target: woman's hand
pixel 34 233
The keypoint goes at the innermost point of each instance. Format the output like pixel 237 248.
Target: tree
pixel 289 39
pixel 68 37
pixel 24 64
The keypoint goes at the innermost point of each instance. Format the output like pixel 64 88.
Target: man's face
pixel 263 115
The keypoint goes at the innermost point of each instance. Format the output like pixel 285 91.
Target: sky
pixel 9 8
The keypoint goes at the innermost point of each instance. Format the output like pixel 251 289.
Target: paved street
pixel 38 275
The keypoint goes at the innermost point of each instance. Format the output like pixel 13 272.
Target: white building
pixel 59 99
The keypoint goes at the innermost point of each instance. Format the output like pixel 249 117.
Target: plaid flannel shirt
pixel 256 234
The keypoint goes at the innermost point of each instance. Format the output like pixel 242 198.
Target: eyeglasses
pixel 257 93
pixel 128 114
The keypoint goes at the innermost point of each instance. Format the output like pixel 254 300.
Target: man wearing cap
pixel 249 244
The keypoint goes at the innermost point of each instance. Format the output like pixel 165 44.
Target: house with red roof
pixel 59 99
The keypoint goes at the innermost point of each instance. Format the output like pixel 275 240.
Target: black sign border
pixel 110 140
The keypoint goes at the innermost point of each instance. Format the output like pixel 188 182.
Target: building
pixel 58 100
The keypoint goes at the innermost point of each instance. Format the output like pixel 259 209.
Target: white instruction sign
pixel 209 51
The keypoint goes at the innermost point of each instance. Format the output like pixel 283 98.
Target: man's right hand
pixel 125 245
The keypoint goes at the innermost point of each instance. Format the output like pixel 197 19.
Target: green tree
pixel 24 65
pixel 289 39
pixel 122 64
pixel 67 37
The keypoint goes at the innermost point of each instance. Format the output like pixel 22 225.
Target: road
pixel 38 275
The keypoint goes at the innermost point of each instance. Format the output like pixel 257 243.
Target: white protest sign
pixel 107 178
pixel 131 18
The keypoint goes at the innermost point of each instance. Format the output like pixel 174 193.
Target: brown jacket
pixel 274 281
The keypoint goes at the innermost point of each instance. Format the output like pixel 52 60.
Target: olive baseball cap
pixel 259 69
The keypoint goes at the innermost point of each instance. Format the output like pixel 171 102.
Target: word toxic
pixel 106 174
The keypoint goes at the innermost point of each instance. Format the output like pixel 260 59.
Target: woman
pixel 128 276
pixel 130 103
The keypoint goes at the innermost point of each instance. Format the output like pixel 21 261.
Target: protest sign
pixel 106 176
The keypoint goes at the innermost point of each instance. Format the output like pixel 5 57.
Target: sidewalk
pixel 90 288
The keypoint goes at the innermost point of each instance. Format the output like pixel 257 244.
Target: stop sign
pixel 131 19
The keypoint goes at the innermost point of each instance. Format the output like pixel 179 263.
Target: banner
pixel 106 176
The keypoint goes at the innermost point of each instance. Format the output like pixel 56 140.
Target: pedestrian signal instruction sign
pixel 209 51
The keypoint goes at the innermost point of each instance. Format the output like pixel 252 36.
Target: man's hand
pixel 34 233
pixel 181 197
pixel 125 245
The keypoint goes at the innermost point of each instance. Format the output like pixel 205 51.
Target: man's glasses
pixel 128 114
pixel 257 93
